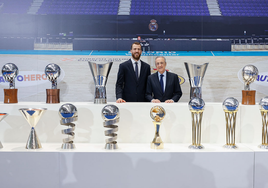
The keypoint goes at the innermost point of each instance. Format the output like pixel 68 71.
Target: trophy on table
pixel 68 114
pixel 196 74
pixel 264 114
pixel 2 116
pixel 100 74
pixel 110 115
pixel 230 107
pixel 249 74
pixel 197 107
pixel 32 115
pixel 52 72
pixel 10 72
pixel 157 113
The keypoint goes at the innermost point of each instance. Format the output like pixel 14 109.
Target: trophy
pixel 230 107
pixel 249 74
pixel 2 116
pixel 32 115
pixel 52 72
pixel 68 114
pixel 196 106
pixel 157 113
pixel 264 114
pixel 196 74
pixel 10 72
pixel 110 115
pixel 100 74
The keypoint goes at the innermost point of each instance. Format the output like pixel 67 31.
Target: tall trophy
pixel 264 114
pixel 249 74
pixel 230 107
pixel 197 107
pixel 2 116
pixel 52 72
pixel 10 72
pixel 68 114
pixel 157 113
pixel 100 74
pixel 110 115
pixel 32 115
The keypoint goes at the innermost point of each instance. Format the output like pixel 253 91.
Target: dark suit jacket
pixel 127 86
pixel 172 90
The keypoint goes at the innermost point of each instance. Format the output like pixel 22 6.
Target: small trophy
pixel 230 107
pixel 196 74
pixel 157 113
pixel 2 116
pixel 52 72
pixel 110 115
pixel 196 106
pixel 100 74
pixel 10 72
pixel 249 74
pixel 32 115
pixel 264 114
pixel 68 114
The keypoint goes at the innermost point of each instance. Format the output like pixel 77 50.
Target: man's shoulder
pixel 172 74
pixel 153 75
pixel 126 62
pixel 145 64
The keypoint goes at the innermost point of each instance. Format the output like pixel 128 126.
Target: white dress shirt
pixel 164 78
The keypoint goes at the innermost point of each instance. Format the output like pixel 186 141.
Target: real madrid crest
pixel 153 26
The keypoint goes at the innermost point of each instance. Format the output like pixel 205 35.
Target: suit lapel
pixel 132 72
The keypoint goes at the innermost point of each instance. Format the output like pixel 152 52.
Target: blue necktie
pixel 136 70
pixel 161 82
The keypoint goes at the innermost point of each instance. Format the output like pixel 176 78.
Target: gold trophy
pixel 264 114
pixel 157 113
pixel 230 107
pixel 196 106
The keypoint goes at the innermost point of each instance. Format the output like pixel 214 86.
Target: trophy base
pixel 68 146
pixel 230 146
pixel 263 146
pixel 53 95
pixel 11 96
pixel 1 146
pixel 196 147
pixel 33 141
pixel 100 101
pixel 111 146
pixel 248 97
pixel 157 145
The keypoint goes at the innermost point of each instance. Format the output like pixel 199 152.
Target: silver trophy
pixel 196 74
pixel 10 72
pixel 264 114
pixel 2 116
pixel 68 114
pixel 230 107
pixel 100 74
pixel 32 115
pixel 52 72
pixel 249 74
pixel 196 107
pixel 110 115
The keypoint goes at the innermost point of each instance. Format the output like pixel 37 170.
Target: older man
pixel 163 86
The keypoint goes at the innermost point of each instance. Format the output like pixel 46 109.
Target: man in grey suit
pixel 163 86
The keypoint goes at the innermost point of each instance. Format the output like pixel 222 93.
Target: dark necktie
pixel 161 82
pixel 136 70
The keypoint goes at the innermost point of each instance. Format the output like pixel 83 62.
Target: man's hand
pixel 156 101
pixel 169 101
pixel 120 101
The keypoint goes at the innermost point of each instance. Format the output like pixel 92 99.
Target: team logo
pixel 153 26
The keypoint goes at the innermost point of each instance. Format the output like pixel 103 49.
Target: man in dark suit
pixel 132 77
pixel 163 86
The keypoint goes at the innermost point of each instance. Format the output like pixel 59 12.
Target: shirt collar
pixel 165 74
pixel 133 61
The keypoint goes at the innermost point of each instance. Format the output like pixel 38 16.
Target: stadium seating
pixel 15 6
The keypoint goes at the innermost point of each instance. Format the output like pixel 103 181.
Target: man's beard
pixel 133 55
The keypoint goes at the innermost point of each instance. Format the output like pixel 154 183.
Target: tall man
pixel 132 77
pixel 163 86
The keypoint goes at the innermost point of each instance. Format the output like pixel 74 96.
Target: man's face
pixel 160 65
pixel 136 52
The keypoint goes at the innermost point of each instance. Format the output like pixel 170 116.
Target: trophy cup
pixel 196 74
pixel 264 114
pixel 2 116
pixel 110 115
pixel 100 74
pixel 32 115
pixel 196 106
pixel 68 114
pixel 52 72
pixel 157 113
pixel 249 74
pixel 230 107
pixel 10 72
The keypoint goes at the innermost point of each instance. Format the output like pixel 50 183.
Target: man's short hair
pixel 161 57
pixel 137 43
